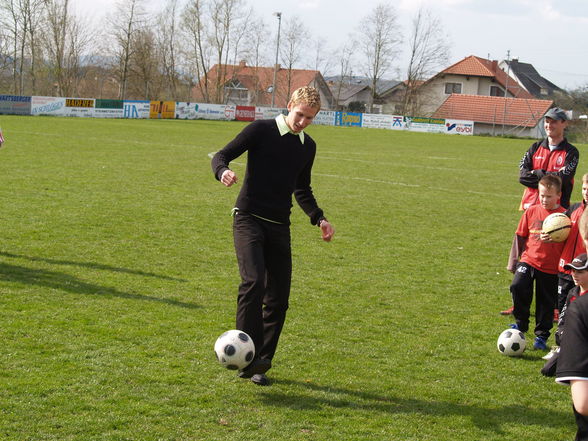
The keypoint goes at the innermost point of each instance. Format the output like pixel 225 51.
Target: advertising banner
pixel 108 104
pixel 459 127
pixel 211 111
pixel 245 113
pixel 47 105
pixel 15 105
pixel 325 118
pixel 430 125
pixel 79 107
pixel 398 122
pixel 230 112
pixel 268 112
pixel 377 121
pixel 162 110
pixel 136 109
pixel 348 119
pixel 186 110
pixel 108 108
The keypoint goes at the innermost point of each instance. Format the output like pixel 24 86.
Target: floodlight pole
pixel 279 15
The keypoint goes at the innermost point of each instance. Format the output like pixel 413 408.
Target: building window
pixel 543 91
pixel 452 88
pixel 236 93
pixel 496 91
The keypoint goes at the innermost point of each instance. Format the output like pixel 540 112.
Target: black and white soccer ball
pixel 234 349
pixel 511 342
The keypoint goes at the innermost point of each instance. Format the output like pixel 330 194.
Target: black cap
pixel 579 263
pixel 557 113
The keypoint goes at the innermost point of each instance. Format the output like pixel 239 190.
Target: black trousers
pixel 564 284
pixel 521 289
pixel 265 264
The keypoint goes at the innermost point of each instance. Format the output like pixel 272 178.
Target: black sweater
pixel 277 167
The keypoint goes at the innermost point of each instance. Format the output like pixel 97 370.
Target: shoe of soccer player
pixel 260 380
pixel 550 354
pixel 540 344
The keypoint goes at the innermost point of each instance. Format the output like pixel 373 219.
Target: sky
pixel 548 34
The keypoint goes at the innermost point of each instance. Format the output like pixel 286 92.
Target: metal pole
pixel 279 15
pixel 506 88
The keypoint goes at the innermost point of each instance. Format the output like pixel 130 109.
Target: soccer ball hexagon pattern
pixel 234 349
pixel 511 342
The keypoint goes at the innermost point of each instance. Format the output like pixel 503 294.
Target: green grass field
pixel 117 273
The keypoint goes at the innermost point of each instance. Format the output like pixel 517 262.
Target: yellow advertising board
pixel 162 110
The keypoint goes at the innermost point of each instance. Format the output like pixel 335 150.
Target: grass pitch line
pixel 404 184
pixel 400 184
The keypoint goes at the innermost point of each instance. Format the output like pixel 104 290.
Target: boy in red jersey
pixel 574 246
pixel 538 264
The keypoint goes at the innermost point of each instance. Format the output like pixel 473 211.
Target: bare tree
pixel 129 17
pixel 345 56
pixel 199 51
pixel 33 14
pixel 379 41
pixel 167 21
pixel 19 23
pixel 429 49
pixel 321 61
pixel 225 15
pixel 143 71
pixel 66 39
pixel 291 51
pixel 215 29
pixel 255 53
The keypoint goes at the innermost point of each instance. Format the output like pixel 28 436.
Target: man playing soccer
pixel 279 163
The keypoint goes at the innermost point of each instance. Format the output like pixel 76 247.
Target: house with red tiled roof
pixel 470 76
pixel 497 115
pixel 254 85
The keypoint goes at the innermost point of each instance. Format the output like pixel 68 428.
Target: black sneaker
pixel 260 379
pixel 256 367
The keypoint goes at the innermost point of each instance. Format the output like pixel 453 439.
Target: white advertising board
pixel 423 124
pixel 376 121
pixel 459 127
pixel 47 105
pixel 325 118
pixel 268 112
pixel 107 113
pixel 136 109
pixel 186 110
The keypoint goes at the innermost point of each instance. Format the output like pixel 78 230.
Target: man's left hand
pixel 327 230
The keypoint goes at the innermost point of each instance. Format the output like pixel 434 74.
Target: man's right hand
pixel 228 178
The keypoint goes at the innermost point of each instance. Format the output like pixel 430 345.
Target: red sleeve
pixel 523 228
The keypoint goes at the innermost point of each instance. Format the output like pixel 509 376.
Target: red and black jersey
pixel 539 161
pixel 543 256
pixel 574 244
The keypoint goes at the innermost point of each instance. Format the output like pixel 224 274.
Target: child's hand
pixel 545 238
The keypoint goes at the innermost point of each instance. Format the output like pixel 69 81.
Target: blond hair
pixel 306 95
